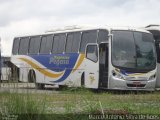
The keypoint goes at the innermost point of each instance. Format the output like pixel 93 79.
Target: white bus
pixel 98 58
pixel 155 30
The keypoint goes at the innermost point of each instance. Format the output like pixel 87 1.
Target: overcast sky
pixel 21 17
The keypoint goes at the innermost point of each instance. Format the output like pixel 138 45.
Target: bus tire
pixel 32 79
pixel 39 86
pixel 15 73
pixel 82 80
pixel 63 87
pixel 31 76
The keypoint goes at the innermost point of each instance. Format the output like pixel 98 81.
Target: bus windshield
pixel 133 50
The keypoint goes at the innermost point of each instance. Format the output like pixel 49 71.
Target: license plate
pixel 136 83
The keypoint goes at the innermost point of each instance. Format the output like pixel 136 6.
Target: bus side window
pixel 15 46
pixel 73 40
pixel 34 45
pixel 158 54
pixel 46 44
pixel 69 42
pixel 157 45
pixel 88 37
pixel 59 43
pixel 23 47
pixel 92 53
pixel 102 36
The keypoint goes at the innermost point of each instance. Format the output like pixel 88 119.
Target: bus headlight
pixel 152 77
pixel 118 75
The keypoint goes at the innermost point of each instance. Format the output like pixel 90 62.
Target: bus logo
pixel 59 60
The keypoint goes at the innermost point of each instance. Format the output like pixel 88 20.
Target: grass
pixel 75 101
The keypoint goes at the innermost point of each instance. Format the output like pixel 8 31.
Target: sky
pixel 27 17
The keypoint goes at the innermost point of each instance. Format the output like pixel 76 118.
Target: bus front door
pixel 91 66
pixel 103 65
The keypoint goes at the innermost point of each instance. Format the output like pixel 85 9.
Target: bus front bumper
pixel 120 84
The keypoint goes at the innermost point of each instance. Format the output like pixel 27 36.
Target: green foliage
pixel 76 103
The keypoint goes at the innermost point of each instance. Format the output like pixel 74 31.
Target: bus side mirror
pixel 92 52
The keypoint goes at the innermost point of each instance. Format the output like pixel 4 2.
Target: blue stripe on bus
pixel 58 63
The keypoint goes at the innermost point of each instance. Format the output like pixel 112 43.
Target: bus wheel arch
pixel 32 79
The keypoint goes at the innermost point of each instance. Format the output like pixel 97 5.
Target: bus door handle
pixel 91 73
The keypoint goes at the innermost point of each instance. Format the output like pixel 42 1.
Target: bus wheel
pixel 32 79
pixel 39 86
pixel 31 76
pixel 63 87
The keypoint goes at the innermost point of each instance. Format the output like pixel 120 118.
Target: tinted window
pixel 92 53
pixel 46 44
pixel 34 45
pixel 145 50
pixel 123 49
pixel 133 50
pixel 88 37
pixel 69 43
pixel 55 44
pixel 156 34
pixel 15 46
pixel 102 36
pixel 23 48
pixel 76 42
pixel 73 40
pixel 59 43
pixel 157 44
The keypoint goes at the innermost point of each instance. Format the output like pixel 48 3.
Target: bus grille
pixel 134 85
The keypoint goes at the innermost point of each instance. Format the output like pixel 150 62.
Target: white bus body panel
pixel 120 84
pixel 90 68
pixel 158 76
pixel 128 82
pixel 91 74
pixel 74 79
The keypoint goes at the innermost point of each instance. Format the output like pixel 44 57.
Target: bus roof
pixel 85 28
pixel 153 27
